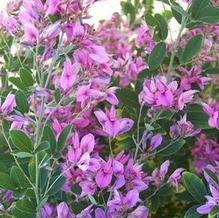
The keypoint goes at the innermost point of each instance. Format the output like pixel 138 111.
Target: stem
pixel 110 146
pixel 138 132
pixel 175 45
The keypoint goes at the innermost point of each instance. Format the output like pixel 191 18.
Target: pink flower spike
pixel 63 210
pixel 185 98
pixel 156 141
pixel 175 177
pixel 9 104
pixel 69 74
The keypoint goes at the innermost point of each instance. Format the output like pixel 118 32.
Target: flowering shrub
pixel 115 121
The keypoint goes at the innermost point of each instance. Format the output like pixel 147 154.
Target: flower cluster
pixel 101 122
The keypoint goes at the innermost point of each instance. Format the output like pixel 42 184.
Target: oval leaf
pixel 192 213
pixel 157 56
pixel 195 186
pixel 170 148
pixel 63 137
pixel 21 140
pixel 21 101
pixel 193 46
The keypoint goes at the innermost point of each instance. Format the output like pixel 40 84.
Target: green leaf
pixel 129 10
pixel 214 70
pixel 209 15
pixel 197 6
pixel 23 155
pixel 197 116
pixel 157 56
pixel 18 177
pixel 49 135
pixel 214 212
pixel 171 148
pixel 150 20
pixel 6 182
pixel 26 77
pixel 27 206
pixel 192 48
pixel 192 213
pixel 63 137
pixel 195 186
pixel 21 101
pixel 44 145
pixel 56 184
pixel 76 188
pixel 21 140
pixel 128 93
pixel 162 27
pixel 57 95
pixel 17 82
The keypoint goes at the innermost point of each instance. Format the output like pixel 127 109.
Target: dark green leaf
pixel 209 15
pixel 197 116
pixel 171 148
pixel 44 145
pixel 192 48
pixel 76 189
pixel 63 137
pixel 56 184
pixel 26 77
pixel 21 140
pixel 212 71
pixel 18 177
pixel 48 135
pixel 162 27
pixel 195 186
pixel 128 93
pixel 192 213
pixel 21 101
pixel 197 6
pixel 150 20
pixel 157 56
pixel 6 182
pixel 57 95
pixel 129 10
pixel 17 82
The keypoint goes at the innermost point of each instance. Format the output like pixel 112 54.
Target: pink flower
pixel 100 213
pixel 51 6
pixel 159 174
pixel 156 141
pixel 104 175
pixel 63 210
pixel 158 92
pixel 185 98
pixel 144 38
pixel 175 177
pixel 212 201
pixel 213 115
pixel 79 153
pixel 9 104
pixel 122 203
pixel 69 74
pixel 183 128
pixel 112 125
pixel 139 212
pixel 31 34
pixel 98 54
